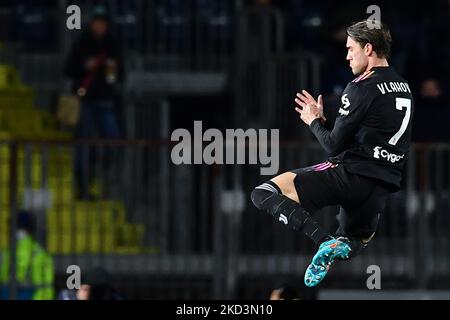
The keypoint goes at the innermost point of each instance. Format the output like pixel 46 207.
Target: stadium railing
pixel 131 210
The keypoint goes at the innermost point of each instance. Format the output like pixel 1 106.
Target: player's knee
pixel 268 197
pixel 259 197
pixel 262 193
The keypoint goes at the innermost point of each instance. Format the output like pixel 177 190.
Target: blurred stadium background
pixel 190 232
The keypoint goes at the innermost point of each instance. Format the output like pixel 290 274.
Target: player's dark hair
pixel 374 32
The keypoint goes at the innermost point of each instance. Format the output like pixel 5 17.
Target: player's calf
pixel 268 197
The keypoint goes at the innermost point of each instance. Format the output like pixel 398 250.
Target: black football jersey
pixel 372 132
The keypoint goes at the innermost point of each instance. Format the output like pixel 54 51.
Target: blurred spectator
pixel 430 89
pixel 34 266
pixel 285 292
pixel 96 284
pixel 95 67
pixel 336 74
pixel 288 290
pixel 430 121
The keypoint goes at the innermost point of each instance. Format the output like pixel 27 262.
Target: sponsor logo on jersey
pixel 283 219
pixel 380 153
pixel 345 105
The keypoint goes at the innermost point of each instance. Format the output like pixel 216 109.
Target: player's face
pixel 356 56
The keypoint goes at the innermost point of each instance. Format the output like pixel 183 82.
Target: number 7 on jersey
pixel 401 103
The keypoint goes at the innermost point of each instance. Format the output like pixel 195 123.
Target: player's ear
pixel 368 49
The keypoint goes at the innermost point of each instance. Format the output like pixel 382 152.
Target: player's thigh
pixel 361 221
pixel 285 182
pixel 310 187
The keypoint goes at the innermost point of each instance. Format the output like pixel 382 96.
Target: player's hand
pixel 309 113
pixel 310 108
pixel 305 98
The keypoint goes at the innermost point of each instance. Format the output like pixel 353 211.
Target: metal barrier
pixel 125 206
pixel 43 72
pixel 266 89
pixel 267 77
pixel 189 35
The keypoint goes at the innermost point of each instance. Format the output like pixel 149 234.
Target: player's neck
pixel 377 63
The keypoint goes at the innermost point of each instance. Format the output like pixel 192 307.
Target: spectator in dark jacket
pixel 432 108
pixel 95 67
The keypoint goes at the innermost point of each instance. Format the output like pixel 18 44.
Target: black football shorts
pixel 361 199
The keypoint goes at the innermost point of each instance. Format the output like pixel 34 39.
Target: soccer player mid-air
pixel 367 149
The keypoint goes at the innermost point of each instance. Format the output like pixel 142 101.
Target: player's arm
pixel 349 117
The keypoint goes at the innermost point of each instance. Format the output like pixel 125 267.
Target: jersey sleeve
pixel 354 104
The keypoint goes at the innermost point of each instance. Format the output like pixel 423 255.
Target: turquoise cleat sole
pixel 327 253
